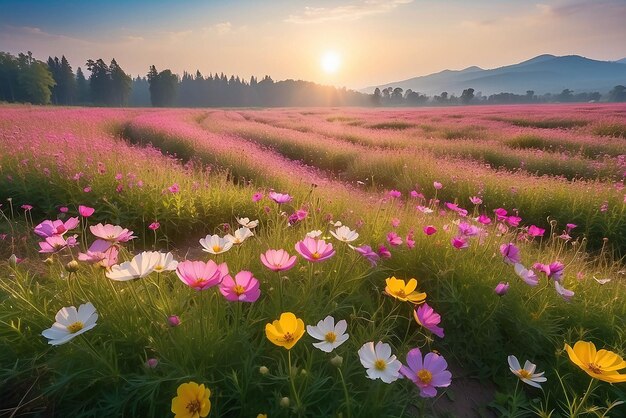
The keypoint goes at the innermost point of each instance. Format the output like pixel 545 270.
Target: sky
pixel 365 42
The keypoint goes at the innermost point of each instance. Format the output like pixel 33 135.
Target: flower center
pixel 193 407
pixel 288 337
pixel 524 374
pixel 380 365
pixel 75 327
pixel 330 337
pixel 425 376
pixel 158 268
pixel 595 368
pixel 315 255
pixel 401 293
pixel 239 290
pixel 217 248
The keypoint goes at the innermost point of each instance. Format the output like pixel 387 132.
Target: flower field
pixel 447 262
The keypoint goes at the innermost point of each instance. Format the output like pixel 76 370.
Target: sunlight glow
pixel 331 61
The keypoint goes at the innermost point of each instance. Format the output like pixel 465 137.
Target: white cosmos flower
pixel 563 292
pixel 527 275
pixel 247 223
pixel 240 235
pixel 379 362
pixel 166 263
pixel 345 234
pixel 214 244
pixel 140 266
pixel 70 323
pixel 527 374
pixel 330 335
pixel 336 224
pixel 314 234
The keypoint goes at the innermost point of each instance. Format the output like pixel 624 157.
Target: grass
pixel 550 123
pixel 611 129
pixel 393 125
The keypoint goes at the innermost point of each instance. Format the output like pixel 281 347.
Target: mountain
pixel 543 74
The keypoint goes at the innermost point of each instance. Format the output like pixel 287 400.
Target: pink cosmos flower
pixel 430 230
pixel 563 292
pixel 394 194
pixel 27 207
pixel 278 260
pixel 500 214
pixel 63 209
pixel 437 185
pixel 414 194
pixel 553 270
pixel 459 242
pixel 427 317
pixel 511 253
pixel 424 209
pixel 174 188
pixel 514 221
pixel 452 206
pixel 56 227
pixel 173 321
pixel 501 289
pixel 535 231
pixel 528 276
pixel 243 288
pixel 367 252
pixel 257 196
pixel 570 226
pixel 85 211
pixel 280 197
pixel 87 189
pixel 395 222
pixel 154 226
pixel 410 242
pixel 112 233
pixel 468 230
pixel 384 252
pixel 427 373
pixel 394 239
pixel 604 207
pixel 56 243
pixel 483 219
pixel 314 249
pixel 200 275
pixel 476 200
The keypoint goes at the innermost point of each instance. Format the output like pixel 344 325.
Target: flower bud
pixel 501 289
pixel 264 370
pixel 72 266
pixel 284 402
pixel 49 261
pixel 151 363
pixel 13 260
pixel 336 361
pixel 173 321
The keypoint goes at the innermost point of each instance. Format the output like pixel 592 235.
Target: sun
pixel 331 61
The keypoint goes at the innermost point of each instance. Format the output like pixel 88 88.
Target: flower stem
pixel 584 399
pixel 345 392
pixel 293 384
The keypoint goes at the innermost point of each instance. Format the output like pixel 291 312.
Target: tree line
pixel 27 80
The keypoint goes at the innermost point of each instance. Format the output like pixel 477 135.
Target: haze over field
pixel 353 43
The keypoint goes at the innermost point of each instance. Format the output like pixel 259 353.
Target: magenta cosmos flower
pixel 553 270
pixel 430 230
pixel 437 185
pixel 200 275
pixel 428 318
pixel 394 239
pixel 278 260
pixel 501 289
pixel 314 249
pixel 57 227
pixel 85 211
pixel 243 288
pixel 535 231
pixel 427 373
pixel 367 252
pixel 112 233
pixel 484 219
pixel 511 254
pixel 459 242
pixel 394 194
pixel 280 197
pixel 257 196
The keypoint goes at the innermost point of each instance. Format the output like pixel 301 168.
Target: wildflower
pixel 57 227
pixel 367 252
pixel 427 373
pixel 384 252
pixel 424 209
pixel 500 214
pixel 501 289
pixel 330 335
pixel 468 230
pixel 553 270
pixel 166 262
pixel 85 211
pixel 112 233
pixel 513 221
pixel 563 292
pixel 247 223
pixel 405 292
pixel 56 243
pixel 280 197
pixel 570 226
pixel 314 250
pixel 240 235
pixel 71 323
pixel 394 194
pixel 173 321
pixel 152 363
pixel 379 362
pixel 345 234
pixel 243 288
pixel 476 200
pixel 314 234
pixel 430 230
pixel 414 194
pixel 394 239
pixel 27 207
pixel 511 254
pixel 140 266
pixel 484 219
pixel 214 244
pixel 192 401
pixel 63 209
pixel 459 242
pixel 602 365
pixel 257 196
pixel 535 231
pixel 87 190
pixel 395 222
pixel 154 226
pixel 200 275
pixel 437 185
pixel 286 331
pixel 528 276
pixel 427 317
pixel 174 188
pixel 526 374
pixel 410 242
pixel 278 260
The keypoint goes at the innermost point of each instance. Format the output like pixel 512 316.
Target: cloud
pixel 347 12
pixel 569 8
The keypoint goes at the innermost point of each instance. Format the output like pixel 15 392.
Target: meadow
pixel 313 262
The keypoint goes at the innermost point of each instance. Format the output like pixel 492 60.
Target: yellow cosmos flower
pixel 404 291
pixel 192 401
pixel 601 365
pixel 286 331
